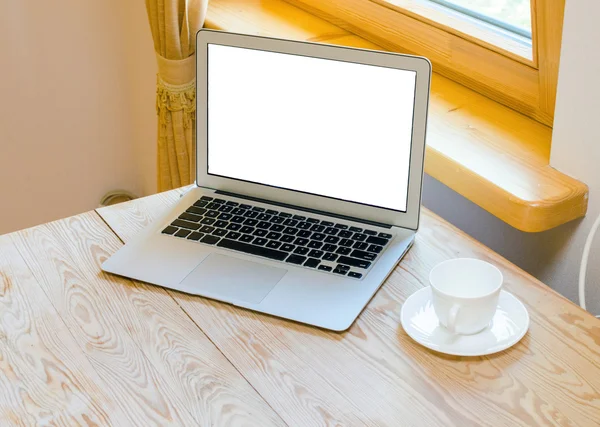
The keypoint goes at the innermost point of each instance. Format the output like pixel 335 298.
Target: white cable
pixel 584 261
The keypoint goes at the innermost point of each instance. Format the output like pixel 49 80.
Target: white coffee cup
pixel 465 294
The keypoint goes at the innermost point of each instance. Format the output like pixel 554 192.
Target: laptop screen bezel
pixel 422 67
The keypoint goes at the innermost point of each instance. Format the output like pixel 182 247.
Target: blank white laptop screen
pixel 320 126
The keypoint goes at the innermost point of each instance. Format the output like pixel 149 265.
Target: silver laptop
pixel 308 184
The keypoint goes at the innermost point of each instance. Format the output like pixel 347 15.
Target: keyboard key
pixel 273 235
pixel 290 222
pixel 246 229
pixel 260 241
pixel 234 227
pixel 230 203
pixel 338 271
pixel 345 234
pixel 246 238
pixel 331 231
pixel 285 214
pixel 329 248
pixel 195 236
pixel 317 236
pixel 327 223
pixel 304 225
pixel 213 206
pixel 245 206
pixel 185 224
pixel 219 201
pixel 318 228
pixel 290 230
pixel 200 203
pixel 353 262
pixel 299 217
pixel 377 241
pixel 370 232
pixel 312 262
pixel 252 249
pixel 220 232
pixel 332 239
pixel 225 216
pixel 258 209
pixel 251 214
pixel 207 229
pixel 238 219
pixel 263 224
pixel 260 232
pixel 183 233
pixel 367 256
pixel 220 223
pixel 287 247
pixel 315 244
pixel 296 259
pixel 286 238
pixel 304 233
pixel 344 268
pixel 346 242
pixel 211 214
pixel 225 208
pixel 277 220
pixel 385 235
pixel 313 220
pixel 210 240
pixel 273 244
pixel 170 230
pixel 250 222
pixel 354 275
pixel 195 210
pixel 263 217
pixel 360 245
pixel 341 226
pixel 206 198
pixel 343 250
pixel 208 221
pixel 277 228
pixel 330 257
pixel 300 241
pixel 359 237
pixel 238 211
pixel 315 253
pixel 301 250
pixel 356 229
pixel 375 248
pixel 272 212
pixel 233 235
pixel 325 268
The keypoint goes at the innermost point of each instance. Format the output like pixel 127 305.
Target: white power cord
pixel 584 261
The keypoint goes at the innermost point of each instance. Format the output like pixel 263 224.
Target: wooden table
pixel 78 346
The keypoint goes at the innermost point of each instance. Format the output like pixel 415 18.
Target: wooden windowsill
pixel 490 154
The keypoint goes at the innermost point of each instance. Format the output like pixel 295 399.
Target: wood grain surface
pixel 374 374
pixel 156 367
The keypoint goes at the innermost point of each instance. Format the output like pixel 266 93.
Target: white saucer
pixel 509 325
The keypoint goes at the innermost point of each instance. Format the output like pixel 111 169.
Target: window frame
pixel 528 86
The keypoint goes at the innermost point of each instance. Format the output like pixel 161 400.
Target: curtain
pixel 174 24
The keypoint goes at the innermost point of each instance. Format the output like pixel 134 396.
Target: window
pixel 507 50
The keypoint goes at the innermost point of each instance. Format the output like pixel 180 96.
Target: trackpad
pixel 221 276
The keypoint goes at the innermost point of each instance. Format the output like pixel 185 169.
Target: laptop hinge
pixel 301 208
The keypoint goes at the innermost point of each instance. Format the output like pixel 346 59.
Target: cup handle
pixel 451 326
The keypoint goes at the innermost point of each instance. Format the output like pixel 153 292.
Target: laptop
pixel 308 184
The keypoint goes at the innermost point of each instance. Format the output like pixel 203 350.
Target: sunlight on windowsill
pixel 489 153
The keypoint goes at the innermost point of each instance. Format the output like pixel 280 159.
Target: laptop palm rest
pixel 232 279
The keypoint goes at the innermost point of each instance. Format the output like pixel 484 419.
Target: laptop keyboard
pixel 296 239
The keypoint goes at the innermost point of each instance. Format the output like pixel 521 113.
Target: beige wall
pixel 77 108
